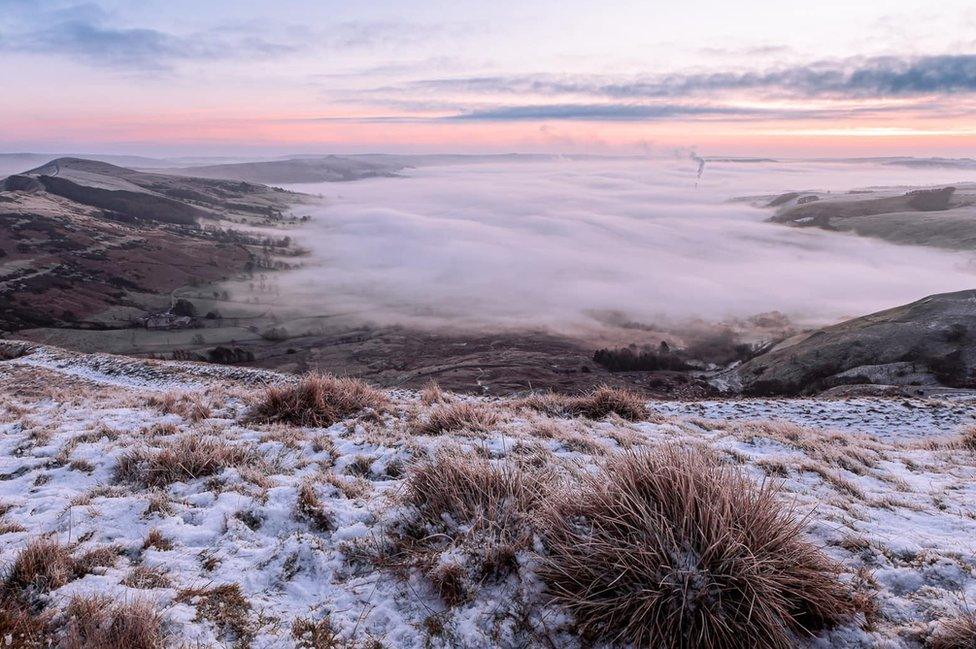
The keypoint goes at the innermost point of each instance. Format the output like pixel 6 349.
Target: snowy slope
pixel 888 489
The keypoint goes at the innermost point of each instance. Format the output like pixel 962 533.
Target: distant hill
pixel 931 341
pixel 79 237
pixel 939 217
pixel 296 170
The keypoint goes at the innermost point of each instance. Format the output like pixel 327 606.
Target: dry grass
pixel 598 404
pixel 225 607
pixel 432 394
pixel 309 507
pixel 668 548
pixel 309 634
pixel 21 627
pixel 317 400
pixel 182 459
pixel 463 501
pixel 957 632
pixel 967 438
pixel 453 417
pixel 144 577
pixel 98 622
pixel 156 541
pixel 188 406
pixel 42 566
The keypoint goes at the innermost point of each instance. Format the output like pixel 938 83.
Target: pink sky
pixel 574 76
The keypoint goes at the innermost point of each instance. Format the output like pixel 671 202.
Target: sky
pixel 753 77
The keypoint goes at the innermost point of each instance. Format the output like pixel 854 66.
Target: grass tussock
pixel 180 460
pixel 20 626
pixel 225 607
pixel 468 504
pixel 957 632
pixel 317 400
pixel 98 622
pixel 669 548
pixel 309 507
pixel 42 566
pixel 453 417
pixel 598 404
pixel 967 438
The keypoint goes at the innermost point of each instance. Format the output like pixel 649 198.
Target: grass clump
pixel 957 632
pixel 669 548
pixel 226 607
pixel 598 404
pixel 98 622
pixel 309 507
pixel 180 460
pixel 317 400
pixel 462 504
pixel 452 417
pixel 42 566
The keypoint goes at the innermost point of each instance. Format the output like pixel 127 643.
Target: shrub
pixel 180 460
pixel 98 622
pixel 668 548
pixel 452 417
pixel 317 400
pixel 957 632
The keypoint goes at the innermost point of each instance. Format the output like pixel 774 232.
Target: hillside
pixel 296 170
pixel 79 237
pixel 925 343
pixel 941 217
pixel 153 491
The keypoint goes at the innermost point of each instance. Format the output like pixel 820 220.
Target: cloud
pixel 889 76
pixel 88 32
pixel 600 112
pixel 84 34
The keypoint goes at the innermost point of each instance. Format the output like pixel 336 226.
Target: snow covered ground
pixel 888 487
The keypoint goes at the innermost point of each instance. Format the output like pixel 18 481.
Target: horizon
pixel 177 79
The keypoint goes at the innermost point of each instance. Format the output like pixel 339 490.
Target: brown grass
pixel 225 607
pixel 43 565
pixel 461 500
pixel 21 627
pixel 156 541
pixel 317 400
pixel 668 548
pixel 309 507
pixel 188 406
pixel 967 438
pixel 957 632
pixel 309 634
pixel 452 417
pixel 98 622
pixel 182 459
pixel 144 577
pixel 598 404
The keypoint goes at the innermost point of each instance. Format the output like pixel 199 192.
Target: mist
pixel 577 246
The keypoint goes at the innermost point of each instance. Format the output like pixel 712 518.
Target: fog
pixel 571 246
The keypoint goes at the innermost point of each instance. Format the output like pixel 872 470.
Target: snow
pixel 886 492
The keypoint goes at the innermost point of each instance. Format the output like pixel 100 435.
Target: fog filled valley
pixel 574 246
pixel 495 274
